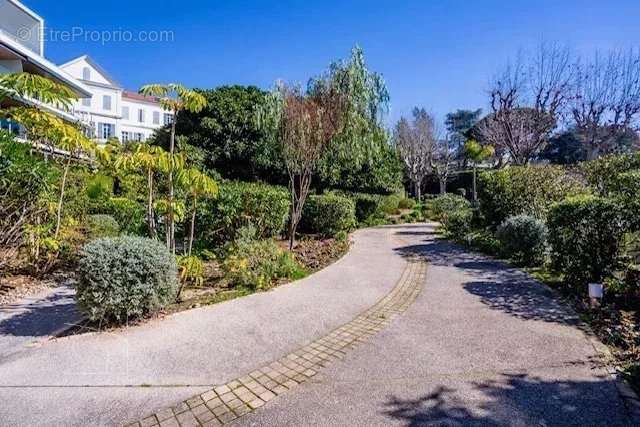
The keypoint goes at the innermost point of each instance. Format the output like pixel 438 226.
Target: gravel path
pixel 111 378
pixel 482 346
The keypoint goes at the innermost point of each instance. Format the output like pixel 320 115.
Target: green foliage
pixel 523 239
pixel 227 132
pixel 390 205
pixel 102 226
pixel 603 174
pixel 191 270
pixel 125 278
pixel 366 206
pixel 259 264
pixel 239 204
pixel 586 236
pixel 129 214
pixel 99 187
pixel 406 203
pixel 328 214
pixel 453 212
pixel 530 190
pixel 566 148
pixel 476 152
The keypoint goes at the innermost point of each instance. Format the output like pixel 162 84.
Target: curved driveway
pixel 482 345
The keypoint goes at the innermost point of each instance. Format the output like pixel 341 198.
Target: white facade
pixel 111 111
pixel 22 50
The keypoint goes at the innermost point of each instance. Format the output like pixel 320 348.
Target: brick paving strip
pixel 228 402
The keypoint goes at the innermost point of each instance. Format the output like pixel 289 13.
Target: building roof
pixel 139 97
pixel 95 65
pixel 44 67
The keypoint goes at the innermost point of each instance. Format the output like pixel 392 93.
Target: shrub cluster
pixel 586 236
pixel 328 214
pixel 453 212
pixel 259 264
pixel 530 190
pixel 125 278
pixel 523 239
pixel 239 204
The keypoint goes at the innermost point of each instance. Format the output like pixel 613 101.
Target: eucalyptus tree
pixel 175 98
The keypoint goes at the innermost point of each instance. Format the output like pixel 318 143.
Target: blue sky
pixel 437 54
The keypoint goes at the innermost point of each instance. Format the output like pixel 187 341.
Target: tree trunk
pixel 443 185
pixel 171 239
pixel 193 224
pixel 418 190
pixel 151 223
pixel 60 201
pixel 475 184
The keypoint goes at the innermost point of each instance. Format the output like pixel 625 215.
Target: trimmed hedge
pixel 240 204
pixel 523 239
pixel 586 236
pixel 530 190
pixel 125 278
pixel 328 214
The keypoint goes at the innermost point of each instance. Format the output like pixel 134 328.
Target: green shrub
pixel 266 207
pixel 366 206
pixel 129 214
pixel 390 204
pixel 125 278
pixel 406 203
pixel 530 190
pixel 191 270
pixel 453 212
pixel 102 226
pixel 259 264
pixel 328 214
pixel 523 239
pixel 603 174
pixel 586 236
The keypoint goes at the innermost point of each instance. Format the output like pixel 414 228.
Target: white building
pixel 22 50
pixel 112 111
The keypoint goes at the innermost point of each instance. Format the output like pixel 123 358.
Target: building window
pixel 125 113
pixel 106 130
pixel 138 137
pixel 126 137
pixel 156 118
pixel 168 118
pixel 86 73
pixel 141 116
pixel 106 102
pixel 86 102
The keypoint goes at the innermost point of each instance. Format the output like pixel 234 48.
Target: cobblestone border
pixel 228 402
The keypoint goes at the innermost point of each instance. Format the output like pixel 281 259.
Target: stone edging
pixel 228 402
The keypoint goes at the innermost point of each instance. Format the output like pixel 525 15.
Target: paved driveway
pixel 481 345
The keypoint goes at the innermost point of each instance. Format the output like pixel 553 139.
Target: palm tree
pixel 174 98
pixel 477 153
pixel 198 184
pixel 50 130
pixel 38 88
pixel 150 159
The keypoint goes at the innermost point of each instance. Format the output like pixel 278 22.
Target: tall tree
pixel 198 185
pixel 527 99
pixel 458 125
pixel 174 98
pixel 415 142
pixel 606 100
pixel 336 118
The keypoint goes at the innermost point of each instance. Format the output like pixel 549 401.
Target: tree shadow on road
pixel 498 285
pixel 514 400
pixel 44 318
